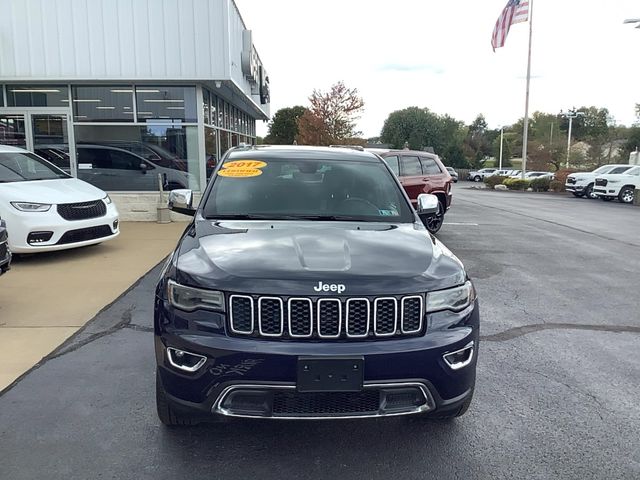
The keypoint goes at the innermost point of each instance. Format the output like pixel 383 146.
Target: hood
pixel 61 190
pixel 293 258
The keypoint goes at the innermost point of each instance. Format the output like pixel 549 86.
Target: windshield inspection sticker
pixel 387 213
pixel 242 164
pixel 242 168
pixel 240 172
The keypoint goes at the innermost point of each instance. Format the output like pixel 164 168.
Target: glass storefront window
pixel 224 142
pixel 13 130
pixel 220 113
pixel 111 103
pixel 211 148
pixel 206 103
pixel 234 140
pixel 214 110
pixel 174 103
pixel 1 96
pixel 137 158
pixel 37 96
pixel 226 115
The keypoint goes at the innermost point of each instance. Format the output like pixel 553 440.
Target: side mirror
pixel 181 201
pixel 428 206
pixel 143 167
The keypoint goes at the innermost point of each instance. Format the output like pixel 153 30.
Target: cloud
pixel 408 67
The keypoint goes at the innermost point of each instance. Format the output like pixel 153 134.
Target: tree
pixel 332 117
pixel 632 143
pixel 421 128
pixel 283 127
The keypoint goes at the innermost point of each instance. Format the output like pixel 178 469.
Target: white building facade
pixel 130 95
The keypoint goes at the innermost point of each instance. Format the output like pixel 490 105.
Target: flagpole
pixel 525 134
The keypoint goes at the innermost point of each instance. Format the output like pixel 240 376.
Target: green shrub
pixel 516 184
pixel 541 184
pixel 556 186
pixel 494 180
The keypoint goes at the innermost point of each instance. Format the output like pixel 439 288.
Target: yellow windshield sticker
pixel 239 172
pixel 244 164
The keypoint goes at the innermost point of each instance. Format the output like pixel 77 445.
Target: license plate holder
pixel 334 374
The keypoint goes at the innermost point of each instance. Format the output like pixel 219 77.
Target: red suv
pixel 421 172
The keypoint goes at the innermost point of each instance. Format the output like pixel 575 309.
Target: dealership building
pixel 130 95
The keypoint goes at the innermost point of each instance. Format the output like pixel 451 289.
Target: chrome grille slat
pixel 346 318
pixel 385 316
pixel 358 321
pixel 329 317
pixel 270 316
pixel 299 314
pixel 241 315
pixel 411 314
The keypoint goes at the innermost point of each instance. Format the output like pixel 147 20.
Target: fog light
pixel 35 238
pixel 460 358
pixel 188 362
pixel 115 224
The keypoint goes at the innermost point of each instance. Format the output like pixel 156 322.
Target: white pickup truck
pixel 618 185
pixel 581 184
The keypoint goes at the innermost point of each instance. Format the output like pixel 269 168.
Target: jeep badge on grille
pixel 330 287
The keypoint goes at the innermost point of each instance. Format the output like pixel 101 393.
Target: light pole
pixel 571 114
pixel 501 141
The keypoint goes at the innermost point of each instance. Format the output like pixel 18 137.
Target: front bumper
pixel 22 224
pixel 5 260
pixel 415 364
pixel 606 191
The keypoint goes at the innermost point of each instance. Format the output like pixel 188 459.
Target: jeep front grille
pixel 326 318
pixel 601 182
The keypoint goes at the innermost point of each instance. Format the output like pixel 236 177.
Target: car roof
pixel 384 151
pixel 265 152
pixel 9 149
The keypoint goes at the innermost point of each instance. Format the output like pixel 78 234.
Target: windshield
pixel 311 189
pixel 602 169
pixel 618 170
pixel 21 167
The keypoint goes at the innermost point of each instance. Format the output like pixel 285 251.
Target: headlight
pixel 107 200
pixel 455 299
pixel 190 299
pixel 31 207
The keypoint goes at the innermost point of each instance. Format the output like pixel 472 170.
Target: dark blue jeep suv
pixel 307 286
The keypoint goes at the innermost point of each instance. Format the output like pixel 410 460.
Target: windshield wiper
pixel 260 216
pixel 250 216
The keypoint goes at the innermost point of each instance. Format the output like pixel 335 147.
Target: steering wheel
pixel 362 206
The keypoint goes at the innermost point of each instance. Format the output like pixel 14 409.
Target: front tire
pixel 477 178
pixel 589 193
pixel 166 413
pixel 626 195
pixel 434 224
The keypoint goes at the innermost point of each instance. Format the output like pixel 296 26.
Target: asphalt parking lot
pixel 558 375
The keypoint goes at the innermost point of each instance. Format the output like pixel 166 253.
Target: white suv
pixel 479 175
pixel 618 185
pixel 581 184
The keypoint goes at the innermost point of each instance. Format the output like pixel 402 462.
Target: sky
pixel 437 54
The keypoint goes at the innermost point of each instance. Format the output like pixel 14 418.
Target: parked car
pixel 5 251
pixel 515 174
pixel 421 172
pixel 453 173
pixel 302 290
pixel 534 175
pixel 581 184
pixel 503 173
pixel 480 175
pixel 618 185
pixel 156 154
pixel 113 169
pixel 46 209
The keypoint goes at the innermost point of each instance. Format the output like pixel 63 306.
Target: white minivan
pixel 46 209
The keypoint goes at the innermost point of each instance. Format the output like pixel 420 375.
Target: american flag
pixel 516 11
